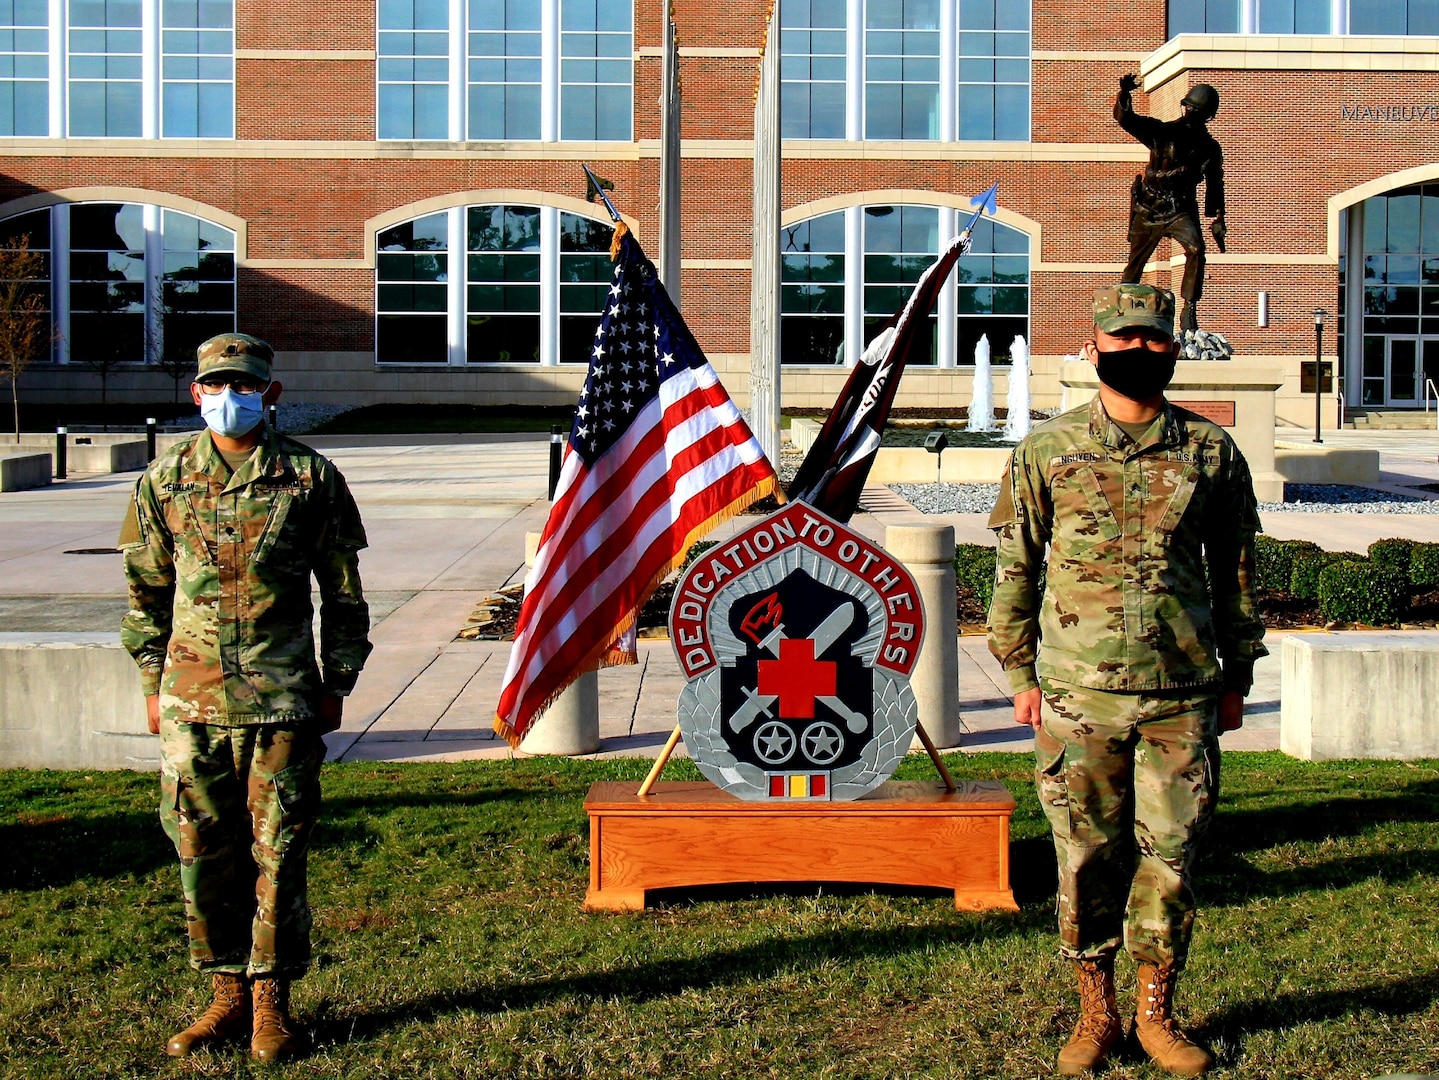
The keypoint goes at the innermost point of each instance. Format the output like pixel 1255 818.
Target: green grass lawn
pixel 450 941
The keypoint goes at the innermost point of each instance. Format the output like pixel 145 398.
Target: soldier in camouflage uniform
pixel 1136 656
pixel 220 543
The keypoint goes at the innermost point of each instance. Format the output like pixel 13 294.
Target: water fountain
pixel 1016 424
pixel 981 406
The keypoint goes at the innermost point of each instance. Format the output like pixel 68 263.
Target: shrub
pixel 974 570
pixel 1304 580
pixel 1424 566
pixel 1274 560
pixel 1394 553
pixel 1362 591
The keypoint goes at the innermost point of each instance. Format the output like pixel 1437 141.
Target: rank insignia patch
pixel 797 637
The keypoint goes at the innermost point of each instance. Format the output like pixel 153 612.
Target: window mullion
pixel 150 69
pixel 60 278
pixel 549 286
pixel 853 284
pixel 459 71
pixel 550 72
pixel 154 283
pixel 1339 16
pixel 456 276
pixel 947 345
pixel 854 72
pixel 59 27
pixel 948 77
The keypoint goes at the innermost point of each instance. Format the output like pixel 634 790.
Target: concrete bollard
pixel 571 725
pixel 927 551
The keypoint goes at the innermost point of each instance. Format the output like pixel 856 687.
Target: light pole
pixel 1319 314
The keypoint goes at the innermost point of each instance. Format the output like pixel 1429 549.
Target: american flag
pixel 658 455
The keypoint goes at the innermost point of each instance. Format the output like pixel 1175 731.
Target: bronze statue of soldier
pixel 1164 200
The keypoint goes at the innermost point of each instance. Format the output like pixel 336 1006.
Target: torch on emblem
pixel 785 643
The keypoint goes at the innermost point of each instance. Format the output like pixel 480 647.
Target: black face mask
pixel 1138 374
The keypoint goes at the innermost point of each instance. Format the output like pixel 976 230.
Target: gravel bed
pixel 1298 498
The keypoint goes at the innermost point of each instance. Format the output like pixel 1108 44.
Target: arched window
pixel 846 273
pixel 905 69
pixel 490 284
pixel 131 281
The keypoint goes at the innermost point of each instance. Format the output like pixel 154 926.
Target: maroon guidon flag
pixel 833 473
pixel 657 456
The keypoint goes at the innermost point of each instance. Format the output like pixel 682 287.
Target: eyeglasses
pixel 241 384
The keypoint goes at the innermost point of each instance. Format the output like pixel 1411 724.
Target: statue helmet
pixel 1203 99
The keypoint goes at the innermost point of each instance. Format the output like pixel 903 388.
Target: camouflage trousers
pixel 239 804
pixel 1129 782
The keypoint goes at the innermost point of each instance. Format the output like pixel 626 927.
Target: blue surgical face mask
pixel 230 414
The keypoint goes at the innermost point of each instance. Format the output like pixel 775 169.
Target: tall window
pixel 812 294
pixel 507 69
pixel 24 68
pixel 1400 17
pixel 133 69
pixel 528 286
pixel 905 69
pixel 846 273
pixel 132 282
pixel 33 230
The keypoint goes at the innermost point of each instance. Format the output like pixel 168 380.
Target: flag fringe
pixel 606 655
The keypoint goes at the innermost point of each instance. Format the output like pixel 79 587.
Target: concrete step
pixel 1408 420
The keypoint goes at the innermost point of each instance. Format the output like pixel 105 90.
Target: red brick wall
pixel 1287 150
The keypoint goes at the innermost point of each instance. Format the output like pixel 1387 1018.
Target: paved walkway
pixel 446 522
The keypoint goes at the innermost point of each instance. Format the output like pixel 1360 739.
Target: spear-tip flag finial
pixel 595 187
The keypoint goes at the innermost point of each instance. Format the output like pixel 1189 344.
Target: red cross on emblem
pixel 797 677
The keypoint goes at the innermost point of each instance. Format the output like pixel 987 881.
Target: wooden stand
pixel 902 833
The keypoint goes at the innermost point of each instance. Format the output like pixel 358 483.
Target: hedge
pixel 1362 591
pixel 1395 553
pixel 1304 580
pixel 1424 566
pixel 974 570
pixel 1274 560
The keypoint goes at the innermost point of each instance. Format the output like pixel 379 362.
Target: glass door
pixel 1406 384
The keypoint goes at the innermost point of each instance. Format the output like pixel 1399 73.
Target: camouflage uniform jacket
pixel 1131 530
pixel 219 569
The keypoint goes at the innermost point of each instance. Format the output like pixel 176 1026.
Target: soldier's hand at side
pixel 152 713
pixel 1129 83
pixel 332 711
pixel 1026 707
pixel 1220 231
pixel 1231 710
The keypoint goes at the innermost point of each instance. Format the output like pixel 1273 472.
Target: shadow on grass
pixel 668 977
pixel 60 849
pixel 1394 998
pixel 1321 818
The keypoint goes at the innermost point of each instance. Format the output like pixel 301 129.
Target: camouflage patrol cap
pixel 1134 307
pixel 235 352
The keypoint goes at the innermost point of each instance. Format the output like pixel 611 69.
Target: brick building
pixel 389 190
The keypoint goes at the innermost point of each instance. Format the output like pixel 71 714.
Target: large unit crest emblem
pixel 798 637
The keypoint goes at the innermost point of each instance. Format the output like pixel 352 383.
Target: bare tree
pixel 24 318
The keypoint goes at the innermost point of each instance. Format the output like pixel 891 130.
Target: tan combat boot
pixel 1099 1027
pixel 274 1037
pixel 228 1015
pixel 1156 1029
